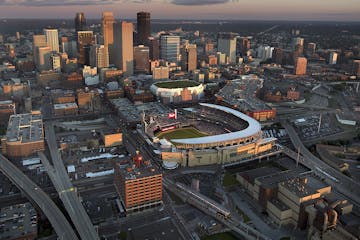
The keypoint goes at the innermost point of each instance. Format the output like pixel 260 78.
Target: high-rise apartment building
pixel 99 56
pixel 84 41
pixel 189 57
pixel 107 24
pixel 123 47
pixel 300 66
pixel 170 48
pixel 80 22
pixel 227 45
pixel 141 59
pixel 139 184
pixel 52 39
pixel 143 27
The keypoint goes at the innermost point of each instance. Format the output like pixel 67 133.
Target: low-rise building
pixel 24 135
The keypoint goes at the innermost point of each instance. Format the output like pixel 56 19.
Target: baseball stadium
pixel 206 134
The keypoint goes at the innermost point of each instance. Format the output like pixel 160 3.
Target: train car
pixel 209 204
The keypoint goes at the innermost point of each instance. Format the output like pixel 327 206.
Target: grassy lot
pixel 176 84
pixel 181 133
pixel 229 180
pixel 222 236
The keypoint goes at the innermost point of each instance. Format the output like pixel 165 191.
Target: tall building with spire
pixel 107 23
pixel 143 27
pixel 80 22
pixel 123 47
pixel 52 39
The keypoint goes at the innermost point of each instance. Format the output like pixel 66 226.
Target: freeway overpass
pixel 55 216
pixel 65 189
pixel 342 183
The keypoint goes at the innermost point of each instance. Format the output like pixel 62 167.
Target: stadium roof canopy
pixel 253 128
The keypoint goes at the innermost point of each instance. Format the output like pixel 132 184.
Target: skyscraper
pixel 297 41
pixel 52 39
pixel 170 48
pixel 227 45
pixel 85 40
pixel 80 22
pixel 43 58
pixel 154 48
pixel 107 24
pixel 99 56
pixel 189 57
pixel 38 41
pixel 143 27
pixel 333 58
pixel 277 55
pixel 300 66
pixel 141 59
pixel 123 47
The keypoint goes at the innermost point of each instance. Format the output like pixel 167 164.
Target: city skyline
pixel 333 10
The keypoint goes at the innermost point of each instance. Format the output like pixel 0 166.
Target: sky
pixel 327 10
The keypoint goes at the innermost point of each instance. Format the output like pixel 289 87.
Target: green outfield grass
pixel 181 133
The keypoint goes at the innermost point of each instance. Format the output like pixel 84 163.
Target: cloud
pixel 38 3
pixel 199 2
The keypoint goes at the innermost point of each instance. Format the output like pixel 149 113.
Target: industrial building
pixel 138 183
pixel 24 135
pixel 288 195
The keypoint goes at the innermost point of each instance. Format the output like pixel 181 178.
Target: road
pixel 55 216
pixel 345 185
pixel 65 189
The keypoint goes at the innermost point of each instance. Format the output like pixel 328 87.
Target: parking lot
pixel 308 126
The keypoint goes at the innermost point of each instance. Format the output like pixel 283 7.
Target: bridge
pixel 52 212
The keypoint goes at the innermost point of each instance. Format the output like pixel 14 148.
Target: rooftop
pixel 299 187
pixel 126 109
pixel 131 171
pixel 65 105
pixel 26 127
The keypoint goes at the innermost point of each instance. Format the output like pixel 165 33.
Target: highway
pixel 65 189
pixel 343 184
pixel 55 216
